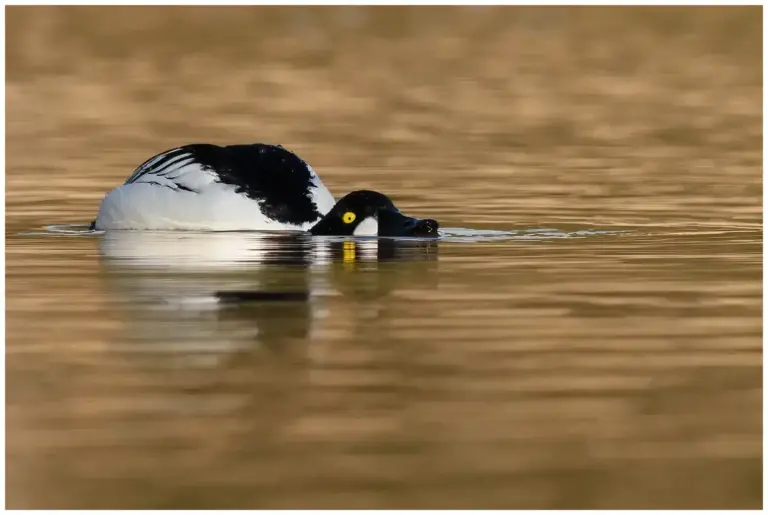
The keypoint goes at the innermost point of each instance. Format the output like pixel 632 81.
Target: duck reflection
pixel 205 296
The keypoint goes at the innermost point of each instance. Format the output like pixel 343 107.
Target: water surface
pixel 585 334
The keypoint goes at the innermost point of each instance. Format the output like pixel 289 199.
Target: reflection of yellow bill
pixel 349 251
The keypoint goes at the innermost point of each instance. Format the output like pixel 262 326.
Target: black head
pixel 369 213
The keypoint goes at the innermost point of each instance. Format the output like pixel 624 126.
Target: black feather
pixel 279 180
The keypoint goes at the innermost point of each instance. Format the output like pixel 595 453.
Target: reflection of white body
pixel 169 283
pixel 173 250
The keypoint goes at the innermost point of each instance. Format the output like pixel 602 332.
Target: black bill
pixel 394 223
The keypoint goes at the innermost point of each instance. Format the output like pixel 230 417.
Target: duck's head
pixel 369 213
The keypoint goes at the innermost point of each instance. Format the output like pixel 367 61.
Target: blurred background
pixel 600 371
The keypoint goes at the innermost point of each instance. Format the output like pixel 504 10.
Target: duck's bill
pixel 395 224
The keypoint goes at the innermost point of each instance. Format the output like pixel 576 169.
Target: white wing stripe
pixel 165 167
pixel 175 168
pixel 148 165
pixel 157 165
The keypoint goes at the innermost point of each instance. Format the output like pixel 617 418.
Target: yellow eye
pixel 349 217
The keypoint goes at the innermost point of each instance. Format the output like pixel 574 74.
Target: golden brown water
pixel 558 364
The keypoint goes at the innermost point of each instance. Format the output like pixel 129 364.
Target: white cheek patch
pixel 368 227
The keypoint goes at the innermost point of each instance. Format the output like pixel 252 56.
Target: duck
pixel 247 187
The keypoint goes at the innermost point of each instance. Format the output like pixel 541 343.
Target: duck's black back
pixel 278 179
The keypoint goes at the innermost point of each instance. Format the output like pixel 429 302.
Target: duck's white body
pixel 206 187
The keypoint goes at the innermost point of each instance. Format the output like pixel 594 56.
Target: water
pixel 586 333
